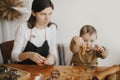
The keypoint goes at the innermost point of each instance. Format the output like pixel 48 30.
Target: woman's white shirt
pixel 36 36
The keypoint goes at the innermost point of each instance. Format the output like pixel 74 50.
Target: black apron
pixel 42 50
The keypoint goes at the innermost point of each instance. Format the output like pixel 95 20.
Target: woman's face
pixel 90 40
pixel 43 17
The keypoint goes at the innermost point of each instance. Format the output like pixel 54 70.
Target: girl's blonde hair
pixel 88 29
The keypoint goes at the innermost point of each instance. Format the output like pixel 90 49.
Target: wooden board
pixel 24 75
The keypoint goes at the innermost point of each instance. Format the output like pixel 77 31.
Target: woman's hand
pixel 37 58
pixel 50 60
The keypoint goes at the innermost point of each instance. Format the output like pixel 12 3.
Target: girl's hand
pixel 99 49
pixel 76 44
pixel 78 41
pixel 37 58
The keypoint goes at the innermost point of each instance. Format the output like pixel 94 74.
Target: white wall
pixel 104 15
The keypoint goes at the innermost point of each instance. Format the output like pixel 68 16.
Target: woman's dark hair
pixel 37 6
pixel 88 29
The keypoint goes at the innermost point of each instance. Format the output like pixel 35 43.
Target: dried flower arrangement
pixel 6 10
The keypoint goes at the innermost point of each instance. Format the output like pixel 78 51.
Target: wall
pixel 104 15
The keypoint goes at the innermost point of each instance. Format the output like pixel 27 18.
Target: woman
pixel 35 41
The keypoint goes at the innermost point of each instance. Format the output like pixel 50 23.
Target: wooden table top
pixel 46 70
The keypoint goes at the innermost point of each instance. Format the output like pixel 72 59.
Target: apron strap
pixel 30 34
pixel 45 34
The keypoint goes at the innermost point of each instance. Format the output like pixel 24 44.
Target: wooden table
pixel 46 70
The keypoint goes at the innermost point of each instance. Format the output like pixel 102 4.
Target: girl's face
pixel 90 40
pixel 43 17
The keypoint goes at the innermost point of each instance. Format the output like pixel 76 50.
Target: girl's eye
pixel 85 40
pixel 92 40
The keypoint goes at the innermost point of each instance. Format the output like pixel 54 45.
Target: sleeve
pixel 18 42
pixel 53 44
pixel 73 47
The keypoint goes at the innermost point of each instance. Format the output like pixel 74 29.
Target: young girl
pixel 84 48
pixel 35 41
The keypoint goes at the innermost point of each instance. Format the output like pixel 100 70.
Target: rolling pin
pixel 110 70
